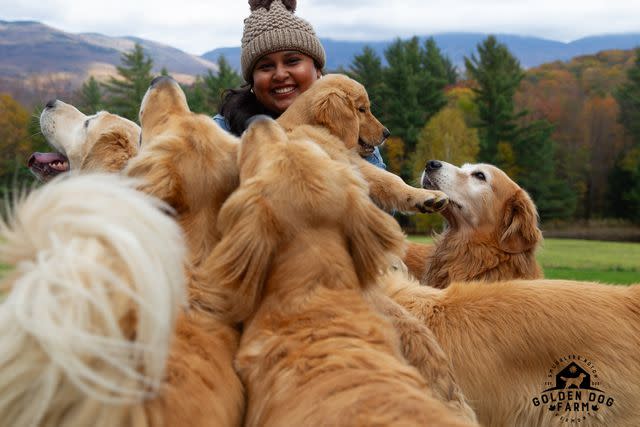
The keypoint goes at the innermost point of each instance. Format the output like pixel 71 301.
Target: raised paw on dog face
pixel 431 201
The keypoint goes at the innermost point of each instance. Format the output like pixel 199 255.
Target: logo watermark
pixel 573 390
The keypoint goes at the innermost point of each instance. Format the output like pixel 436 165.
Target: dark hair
pixel 239 105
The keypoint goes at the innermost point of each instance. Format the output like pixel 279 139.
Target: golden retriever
pixel 302 241
pixel 511 344
pixel 185 160
pixel 102 142
pixel 94 287
pixel 93 324
pixel 341 106
pixel 492 228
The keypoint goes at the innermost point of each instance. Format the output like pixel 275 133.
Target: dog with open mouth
pixel 492 228
pixel 102 142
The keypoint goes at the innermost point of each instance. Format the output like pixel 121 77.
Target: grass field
pixel 606 262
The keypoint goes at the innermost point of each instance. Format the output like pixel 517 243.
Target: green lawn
pixel 606 262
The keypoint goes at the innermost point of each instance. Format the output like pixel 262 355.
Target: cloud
pixel 197 26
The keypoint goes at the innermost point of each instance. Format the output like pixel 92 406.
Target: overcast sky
pixel 197 26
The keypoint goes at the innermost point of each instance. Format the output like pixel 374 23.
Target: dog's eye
pixel 479 175
pixel 86 123
pixel 362 109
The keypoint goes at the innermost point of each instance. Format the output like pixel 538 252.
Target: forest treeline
pixel 568 132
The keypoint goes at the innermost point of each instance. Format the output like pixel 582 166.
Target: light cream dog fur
pixel 102 142
pixel 94 287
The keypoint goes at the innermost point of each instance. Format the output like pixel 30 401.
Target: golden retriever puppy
pixel 302 241
pixel 103 142
pixel 537 352
pixel 185 160
pixel 93 325
pixel 341 106
pixel 94 287
pixel 492 228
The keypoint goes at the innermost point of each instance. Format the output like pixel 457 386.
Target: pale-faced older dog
pixel 102 142
pixel 340 107
pixel 302 242
pixel 492 228
pixel 510 342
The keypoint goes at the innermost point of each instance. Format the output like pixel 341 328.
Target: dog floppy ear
pixel 240 262
pixel 333 110
pixel 110 153
pixel 519 228
pixel 373 236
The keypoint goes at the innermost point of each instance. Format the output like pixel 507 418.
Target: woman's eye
pixel 479 175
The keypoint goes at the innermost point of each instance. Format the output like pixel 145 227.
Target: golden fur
pixel 504 337
pixel 340 106
pixel 302 244
pixel 102 142
pixel 492 228
pixel 189 162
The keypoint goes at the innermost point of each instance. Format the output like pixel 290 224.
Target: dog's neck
pixel 314 258
pixel 465 257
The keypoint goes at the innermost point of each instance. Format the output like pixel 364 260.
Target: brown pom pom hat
pixel 272 26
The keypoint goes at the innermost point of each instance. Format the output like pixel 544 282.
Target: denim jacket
pixel 375 158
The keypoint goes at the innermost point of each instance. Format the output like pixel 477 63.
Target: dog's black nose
pixel 50 103
pixel 385 133
pixel 158 79
pixel 433 165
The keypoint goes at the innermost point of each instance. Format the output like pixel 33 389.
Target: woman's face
pixel 279 77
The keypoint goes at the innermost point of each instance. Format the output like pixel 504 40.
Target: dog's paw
pixel 430 201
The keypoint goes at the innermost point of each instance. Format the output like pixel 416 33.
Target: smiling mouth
pixel 284 90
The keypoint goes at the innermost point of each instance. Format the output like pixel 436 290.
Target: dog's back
pixel 94 287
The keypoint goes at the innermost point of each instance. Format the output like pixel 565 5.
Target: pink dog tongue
pixel 50 158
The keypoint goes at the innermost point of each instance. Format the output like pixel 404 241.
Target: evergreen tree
pixel 624 188
pixel 216 84
pixel 366 68
pixel 90 97
pixel 628 97
pixel 197 97
pixel 497 74
pixel 125 93
pixel 416 94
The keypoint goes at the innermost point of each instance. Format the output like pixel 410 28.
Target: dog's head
pixel 288 187
pixel 164 102
pixel 342 105
pixel 482 198
pixel 102 142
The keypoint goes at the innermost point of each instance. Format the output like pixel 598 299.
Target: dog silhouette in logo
pixel 573 381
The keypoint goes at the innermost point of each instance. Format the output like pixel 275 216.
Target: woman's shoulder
pixel 222 122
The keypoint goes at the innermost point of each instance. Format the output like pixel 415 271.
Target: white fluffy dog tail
pixel 94 285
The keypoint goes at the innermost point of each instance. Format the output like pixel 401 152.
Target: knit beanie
pixel 272 27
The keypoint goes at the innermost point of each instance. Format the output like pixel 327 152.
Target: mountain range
pixel 30 49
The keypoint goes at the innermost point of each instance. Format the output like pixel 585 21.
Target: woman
pixel 281 58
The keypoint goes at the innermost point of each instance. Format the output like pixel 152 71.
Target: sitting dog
pixel 510 341
pixel 492 228
pixel 340 106
pixel 103 142
pixel 93 325
pixel 302 244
